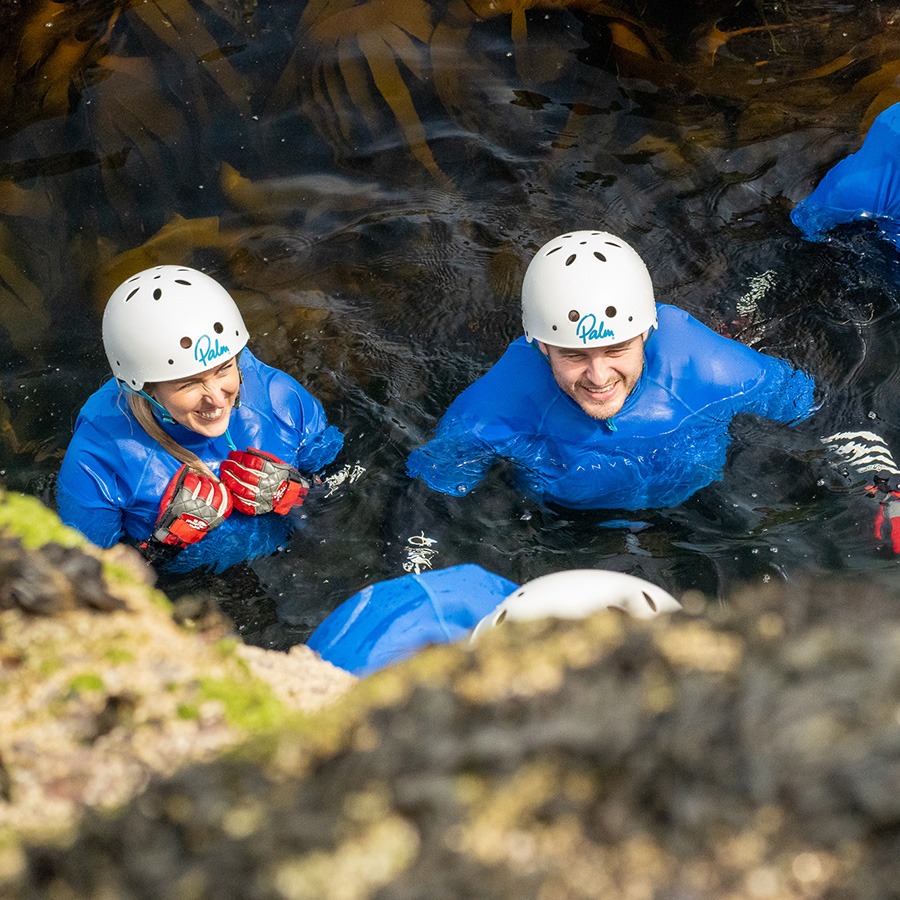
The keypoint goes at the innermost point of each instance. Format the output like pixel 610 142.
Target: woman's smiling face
pixel 203 402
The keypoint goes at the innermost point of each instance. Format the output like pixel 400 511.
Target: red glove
pixel 262 483
pixel 191 507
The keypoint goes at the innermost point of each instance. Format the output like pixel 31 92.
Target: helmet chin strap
pixel 237 401
pixel 163 414
pixel 160 410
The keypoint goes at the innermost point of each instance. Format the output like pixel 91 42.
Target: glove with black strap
pixel 887 516
pixel 191 507
pixel 261 483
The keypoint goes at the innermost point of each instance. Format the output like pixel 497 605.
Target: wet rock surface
pixel 51 579
pixel 100 688
pixel 744 750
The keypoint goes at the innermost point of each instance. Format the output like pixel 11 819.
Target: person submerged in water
pixel 389 621
pixel 864 186
pixel 610 400
pixel 154 459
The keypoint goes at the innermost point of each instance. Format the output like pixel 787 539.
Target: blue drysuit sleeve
pixel 783 394
pixel 296 412
pixel 488 421
pixel 454 461
pixel 728 377
pixel 88 495
pixel 865 184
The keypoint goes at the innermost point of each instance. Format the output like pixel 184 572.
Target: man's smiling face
pixel 598 379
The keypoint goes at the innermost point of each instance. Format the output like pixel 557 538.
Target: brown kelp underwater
pixel 109 109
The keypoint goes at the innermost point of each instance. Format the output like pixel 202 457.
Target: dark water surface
pixel 285 157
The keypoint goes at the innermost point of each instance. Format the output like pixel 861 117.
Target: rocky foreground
pixel 745 750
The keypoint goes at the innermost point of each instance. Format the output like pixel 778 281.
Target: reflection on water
pixel 370 179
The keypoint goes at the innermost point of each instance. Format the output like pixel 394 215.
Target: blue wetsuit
pixel 387 622
pixel 114 474
pixel 668 440
pixel 864 185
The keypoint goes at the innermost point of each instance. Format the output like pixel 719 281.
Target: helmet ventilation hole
pixel 553 250
pixel 649 600
pixel 186 342
pixel 573 315
pixel 570 260
pixel 171 362
pixel 182 281
pixel 157 294
pixel 555 328
pixel 132 294
pixel 610 312
pixel 600 256
pixel 611 244
pixel 218 328
pixel 500 617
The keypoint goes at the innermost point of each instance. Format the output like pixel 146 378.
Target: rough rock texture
pixel 750 750
pixel 100 689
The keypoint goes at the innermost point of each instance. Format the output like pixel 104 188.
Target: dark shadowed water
pixel 370 182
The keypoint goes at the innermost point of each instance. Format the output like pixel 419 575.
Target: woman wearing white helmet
pixel 193 434
pixel 610 400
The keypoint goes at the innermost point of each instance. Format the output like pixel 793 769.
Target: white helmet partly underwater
pixel 577 593
pixel 170 322
pixel 587 289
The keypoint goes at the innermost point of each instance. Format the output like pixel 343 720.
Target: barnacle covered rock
pixel 747 750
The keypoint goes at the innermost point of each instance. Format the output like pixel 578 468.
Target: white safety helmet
pixel 170 322
pixel 577 593
pixel 586 289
